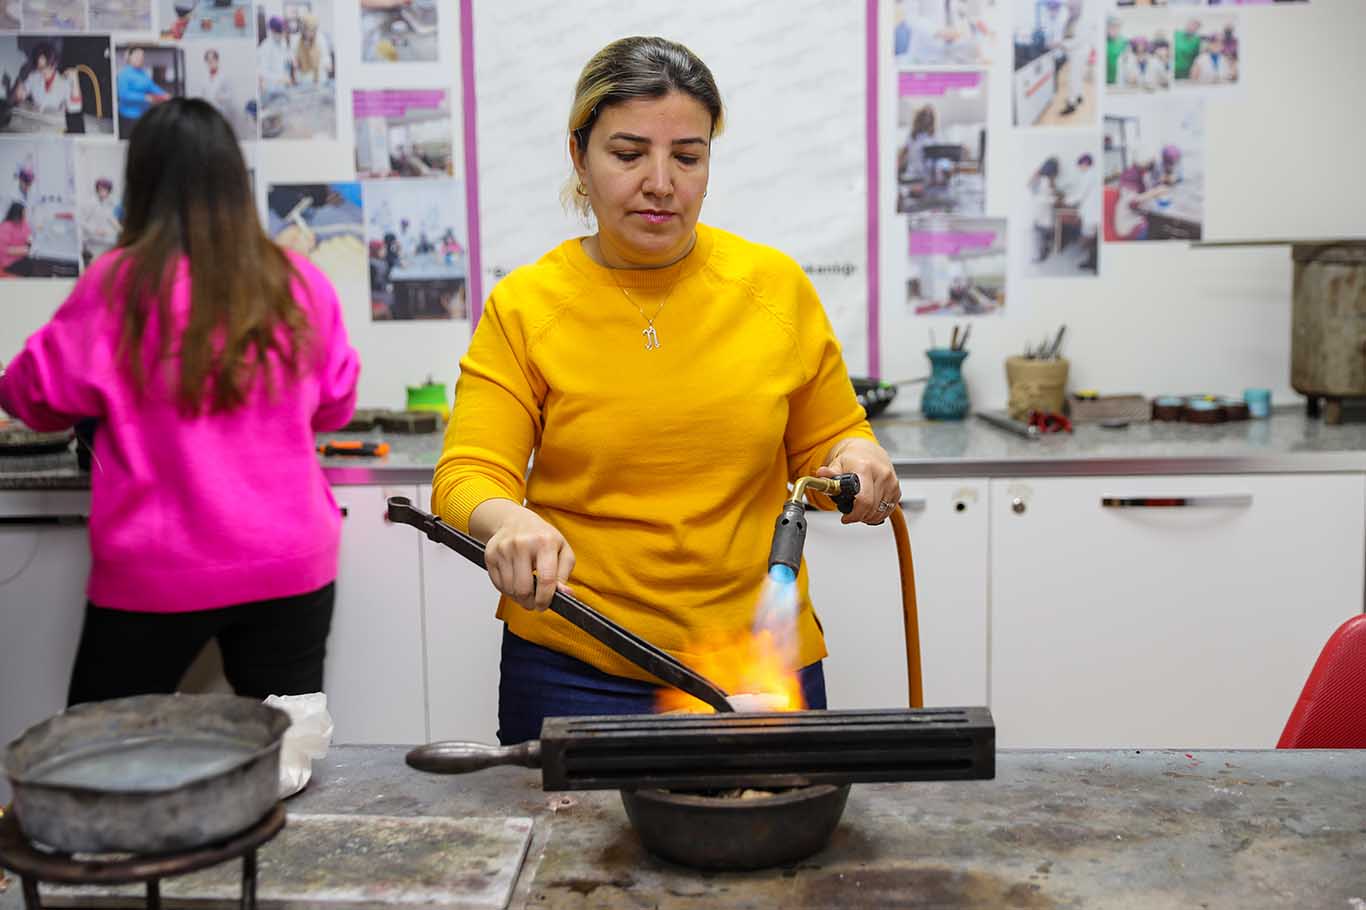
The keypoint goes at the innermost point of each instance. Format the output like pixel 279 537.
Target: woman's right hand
pixel 522 550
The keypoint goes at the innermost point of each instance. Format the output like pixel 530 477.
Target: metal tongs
pixel 658 663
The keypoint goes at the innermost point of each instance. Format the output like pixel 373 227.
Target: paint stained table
pixel 1148 830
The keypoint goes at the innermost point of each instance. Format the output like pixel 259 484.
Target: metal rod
pixel 153 894
pixel 42 520
pixel 621 640
pixel 249 880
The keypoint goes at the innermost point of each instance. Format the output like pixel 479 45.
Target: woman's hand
pixel 527 558
pixel 879 490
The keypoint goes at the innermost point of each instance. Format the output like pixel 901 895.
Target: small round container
pixel 1258 403
pixel 1234 408
pixel 1202 410
pixel 1168 407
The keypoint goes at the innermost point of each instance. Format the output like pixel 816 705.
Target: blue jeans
pixel 535 683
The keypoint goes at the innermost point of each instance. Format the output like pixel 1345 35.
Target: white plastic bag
pixel 306 739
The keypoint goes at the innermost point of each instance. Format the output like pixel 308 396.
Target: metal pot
pixel 707 832
pixel 148 774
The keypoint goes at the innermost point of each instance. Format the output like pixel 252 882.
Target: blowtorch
pixel 777 609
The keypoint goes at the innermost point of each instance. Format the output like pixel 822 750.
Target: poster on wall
pixel 323 221
pixel 146 75
pixel 1208 50
pixel 403 133
pixel 38 225
pixel 223 73
pixel 99 196
pixel 1056 61
pixel 121 15
pixel 1056 205
pixel 398 31
pixel 1154 150
pixel 56 84
pixel 212 20
pixel 10 11
pixel 936 32
pixel 296 67
pixel 58 15
pixel 1139 54
pixel 414 234
pixel 957 266
pixel 941 142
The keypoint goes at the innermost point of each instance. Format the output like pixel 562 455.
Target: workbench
pixel 1139 829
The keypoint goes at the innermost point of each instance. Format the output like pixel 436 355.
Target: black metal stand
pixel 35 866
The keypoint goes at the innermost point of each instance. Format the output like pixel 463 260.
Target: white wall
pixel 1282 158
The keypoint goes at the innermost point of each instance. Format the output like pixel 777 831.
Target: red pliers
pixel 1049 422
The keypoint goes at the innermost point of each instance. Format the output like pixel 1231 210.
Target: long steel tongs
pixel 622 641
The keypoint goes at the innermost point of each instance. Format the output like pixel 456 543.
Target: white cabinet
pixel 44 563
pixel 1179 626
pixel 375 671
pixel 464 641
pixel 856 590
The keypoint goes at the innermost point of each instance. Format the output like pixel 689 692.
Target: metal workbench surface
pixel 1151 830
pixel 1287 443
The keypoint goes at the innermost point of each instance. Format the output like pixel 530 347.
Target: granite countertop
pixel 1287 443
pixel 1154 830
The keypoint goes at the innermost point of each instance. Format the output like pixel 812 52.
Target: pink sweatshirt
pixel 193 513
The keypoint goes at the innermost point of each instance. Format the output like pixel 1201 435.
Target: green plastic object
pixel 428 397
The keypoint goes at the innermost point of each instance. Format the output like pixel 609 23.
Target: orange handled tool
pixel 354 447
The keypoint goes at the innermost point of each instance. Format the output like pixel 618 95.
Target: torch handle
pixel 462 758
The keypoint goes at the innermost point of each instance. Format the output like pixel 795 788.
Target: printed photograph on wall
pixel 54 15
pixel 323 221
pixel 398 31
pixel 223 73
pixel 1154 169
pixel 941 141
pixel 415 237
pixel 937 32
pixel 214 20
pixel 957 266
pixel 1208 50
pixel 146 75
pixel 403 133
pixel 296 67
pixel 10 11
pixel 1055 210
pixel 121 15
pixel 1139 54
pixel 99 196
pixel 1057 58
pixel 56 84
pixel 38 225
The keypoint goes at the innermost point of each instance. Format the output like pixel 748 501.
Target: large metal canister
pixel 1328 324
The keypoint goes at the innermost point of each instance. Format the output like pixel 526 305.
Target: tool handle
pixel 849 487
pixel 621 640
pixel 354 447
pixel 462 758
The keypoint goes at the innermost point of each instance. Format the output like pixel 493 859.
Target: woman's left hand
pixel 879 490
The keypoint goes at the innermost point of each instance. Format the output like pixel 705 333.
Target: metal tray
pixel 148 774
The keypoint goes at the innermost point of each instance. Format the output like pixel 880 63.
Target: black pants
pixel 270 647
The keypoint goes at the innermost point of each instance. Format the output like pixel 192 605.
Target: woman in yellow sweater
pixel 671 380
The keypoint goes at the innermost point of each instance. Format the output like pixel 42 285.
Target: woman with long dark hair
pixel 209 356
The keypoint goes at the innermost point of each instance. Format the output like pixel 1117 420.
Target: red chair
pixel 1331 712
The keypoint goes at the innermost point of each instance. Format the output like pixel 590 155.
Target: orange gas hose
pixel 909 612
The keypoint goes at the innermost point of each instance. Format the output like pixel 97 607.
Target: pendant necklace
pixel 651 334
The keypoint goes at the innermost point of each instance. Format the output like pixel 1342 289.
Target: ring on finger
pixel 885 505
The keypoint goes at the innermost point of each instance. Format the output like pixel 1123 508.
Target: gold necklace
pixel 651 334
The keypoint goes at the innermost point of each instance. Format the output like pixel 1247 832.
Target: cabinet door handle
pixel 1209 500
pixel 42 521
pixel 914 504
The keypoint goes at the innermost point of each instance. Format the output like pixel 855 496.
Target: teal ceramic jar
pixel 946 394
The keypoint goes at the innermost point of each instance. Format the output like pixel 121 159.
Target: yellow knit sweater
pixel 664 469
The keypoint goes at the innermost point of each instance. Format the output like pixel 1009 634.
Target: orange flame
pixel 748 664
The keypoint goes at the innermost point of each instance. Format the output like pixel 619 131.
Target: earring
pixel 581 190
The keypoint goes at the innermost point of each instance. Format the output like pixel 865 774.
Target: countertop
pixel 1149 830
pixel 1286 443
